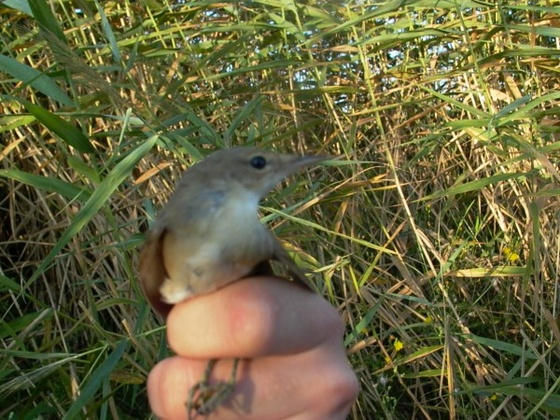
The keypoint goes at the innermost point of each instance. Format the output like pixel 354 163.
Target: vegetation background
pixel 435 233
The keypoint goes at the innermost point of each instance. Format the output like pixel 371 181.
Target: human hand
pixel 294 364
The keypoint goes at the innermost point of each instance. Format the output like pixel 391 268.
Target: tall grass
pixel 435 234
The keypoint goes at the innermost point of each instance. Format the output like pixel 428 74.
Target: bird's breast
pixel 202 254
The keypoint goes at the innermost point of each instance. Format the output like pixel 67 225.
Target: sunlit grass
pixel 434 231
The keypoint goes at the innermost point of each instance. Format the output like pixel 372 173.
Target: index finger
pixel 254 317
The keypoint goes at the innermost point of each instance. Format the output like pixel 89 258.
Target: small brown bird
pixel 209 235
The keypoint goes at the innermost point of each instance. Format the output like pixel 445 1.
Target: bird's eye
pixel 258 162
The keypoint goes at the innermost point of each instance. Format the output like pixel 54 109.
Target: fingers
pixel 318 384
pixel 251 318
pixel 295 364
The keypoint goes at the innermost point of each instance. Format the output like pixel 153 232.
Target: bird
pixel 209 235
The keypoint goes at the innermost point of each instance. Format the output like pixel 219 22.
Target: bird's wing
pixel 152 271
